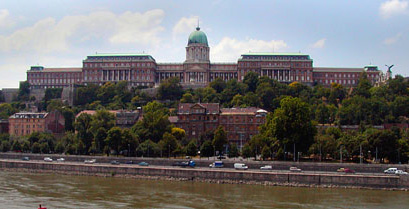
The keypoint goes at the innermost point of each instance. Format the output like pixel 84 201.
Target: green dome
pixel 197 37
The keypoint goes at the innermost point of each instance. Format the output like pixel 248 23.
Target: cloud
pixel 185 25
pixel 230 49
pixel 319 44
pixel 392 40
pixel 393 7
pixel 49 35
pixel 5 20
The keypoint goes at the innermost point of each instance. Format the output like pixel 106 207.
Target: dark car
pixel 190 163
pixel 129 162
pixel 143 164
pixel 115 162
pixel 347 170
pixel 25 158
pixel 221 157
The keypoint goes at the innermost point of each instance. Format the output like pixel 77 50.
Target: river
pixel 23 190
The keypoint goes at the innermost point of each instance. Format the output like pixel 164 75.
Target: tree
pixel 178 133
pixel 16 146
pixel 24 91
pixel 129 141
pixel 148 148
pixel 291 124
pixel 233 150
pixel 35 148
pixel 265 152
pixel 363 87
pixel 233 87
pixel 170 89
pixel 206 150
pixel 218 84
pixel 168 144
pixel 251 79
pixel 191 148
pixel 220 139
pixel 83 126
pixel 69 118
pixel 247 152
pixel 114 139
pixel 187 98
pixel 6 110
pixel 154 124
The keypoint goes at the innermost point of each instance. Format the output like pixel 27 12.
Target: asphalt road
pixel 207 168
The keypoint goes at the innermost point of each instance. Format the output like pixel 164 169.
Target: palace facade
pixel 196 70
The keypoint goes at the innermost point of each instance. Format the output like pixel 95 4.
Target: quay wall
pixel 204 162
pixel 280 178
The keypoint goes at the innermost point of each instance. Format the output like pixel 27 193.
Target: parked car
pixel 90 161
pixel 217 164
pixel 390 170
pixel 143 164
pixel 266 167
pixel 25 158
pixel 60 160
pixel 400 172
pixel 240 166
pixel 347 170
pixel 48 159
pixel 295 169
pixel 115 162
pixel 221 157
pixel 129 162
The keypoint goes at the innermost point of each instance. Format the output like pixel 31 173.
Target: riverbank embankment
pixel 213 175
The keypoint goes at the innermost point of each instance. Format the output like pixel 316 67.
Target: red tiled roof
pixel 211 108
pixel 92 112
pixel 240 111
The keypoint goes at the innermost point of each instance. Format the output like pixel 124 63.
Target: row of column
pixel 116 75
pixel 279 75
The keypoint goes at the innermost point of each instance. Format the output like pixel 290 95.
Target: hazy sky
pixel 336 33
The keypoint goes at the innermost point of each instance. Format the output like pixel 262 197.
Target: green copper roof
pixel 197 37
pixel 273 54
pixel 119 55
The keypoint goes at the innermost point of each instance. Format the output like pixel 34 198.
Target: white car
pixel 400 172
pixel 240 166
pixel 295 169
pixel 60 160
pixel 266 167
pixel 390 170
pixel 48 159
pixel 90 161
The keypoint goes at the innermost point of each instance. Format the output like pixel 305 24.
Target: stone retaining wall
pixel 280 178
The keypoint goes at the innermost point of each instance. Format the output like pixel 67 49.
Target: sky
pixel 336 33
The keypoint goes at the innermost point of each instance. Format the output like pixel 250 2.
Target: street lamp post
pixel 340 153
pixel 360 154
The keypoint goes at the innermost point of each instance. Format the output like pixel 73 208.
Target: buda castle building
pixel 196 70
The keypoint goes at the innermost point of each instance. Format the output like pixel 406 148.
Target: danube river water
pixel 23 190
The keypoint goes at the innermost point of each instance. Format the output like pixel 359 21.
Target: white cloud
pixel 319 44
pixel 230 49
pixel 49 35
pixel 393 7
pixel 5 20
pixel 392 40
pixel 185 25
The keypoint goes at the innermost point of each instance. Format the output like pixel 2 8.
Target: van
pixel 240 166
pixel 390 170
